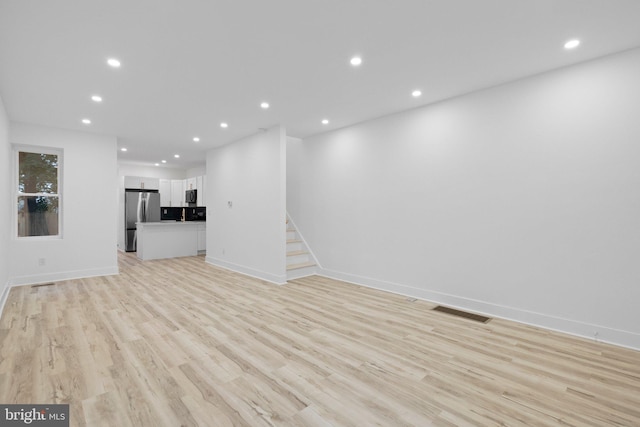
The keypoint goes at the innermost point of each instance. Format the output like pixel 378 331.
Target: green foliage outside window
pixel 38 199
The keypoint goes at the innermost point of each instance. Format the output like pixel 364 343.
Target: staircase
pixel 300 262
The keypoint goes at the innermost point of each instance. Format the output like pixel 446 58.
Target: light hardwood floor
pixel 179 342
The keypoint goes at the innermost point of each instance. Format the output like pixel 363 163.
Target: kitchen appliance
pixel 191 197
pixel 139 206
pixel 190 214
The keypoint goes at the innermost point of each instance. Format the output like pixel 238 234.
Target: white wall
pixel 521 201
pixel 89 197
pixel 5 208
pixel 249 237
pixel 295 149
pixel 133 169
pixel 193 172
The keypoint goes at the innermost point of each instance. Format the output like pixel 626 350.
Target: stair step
pixel 294 241
pixel 294 253
pixel 301 265
pixel 291 229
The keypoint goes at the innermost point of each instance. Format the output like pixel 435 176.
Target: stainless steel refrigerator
pixel 139 206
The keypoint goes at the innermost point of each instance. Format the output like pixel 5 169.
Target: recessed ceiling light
pixel 96 98
pixel 264 105
pixel 196 139
pixel 157 164
pixel 177 156
pixel 325 121
pixel 164 161
pixel 416 93
pixel 224 125
pixel 113 62
pixel 572 44
pixel 356 60
pixel 123 149
pixel 86 121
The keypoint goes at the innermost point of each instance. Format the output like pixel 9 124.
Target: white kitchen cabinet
pixel 171 239
pixel 177 192
pixel 165 192
pixel 200 182
pixel 142 183
pixel 151 183
pixel 202 237
pixel 132 181
pixel 191 184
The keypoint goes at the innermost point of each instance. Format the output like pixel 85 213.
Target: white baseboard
pixel 608 335
pixel 302 272
pixel 4 296
pixel 64 275
pixel 247 271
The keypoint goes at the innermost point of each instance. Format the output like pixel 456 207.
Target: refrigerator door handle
pixel 144 206
pixel 139 213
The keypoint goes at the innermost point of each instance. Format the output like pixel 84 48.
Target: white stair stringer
pixel 300 260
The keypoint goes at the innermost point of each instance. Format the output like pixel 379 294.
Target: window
pixel 38 195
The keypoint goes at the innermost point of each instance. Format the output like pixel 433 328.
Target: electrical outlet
pixel 41 262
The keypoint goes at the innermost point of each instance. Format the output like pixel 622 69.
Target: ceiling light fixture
pixel 123 149
pixel 177 156
pixel 224 125
pixel 356 61
pixel 264 105
pixel 416 93
pixel 164 161
pixel 572 44
pixel 86 121
pixel 157 164
pixel 113 62
pixel 96 98
pixel 196 139
pixel 325 121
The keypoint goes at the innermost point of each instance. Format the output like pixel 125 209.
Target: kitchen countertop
pixel 169 222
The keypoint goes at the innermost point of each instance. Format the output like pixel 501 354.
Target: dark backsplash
pixel 190 214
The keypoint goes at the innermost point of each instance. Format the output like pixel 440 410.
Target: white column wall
pixel 520 201
pixel 5 196
pixel 89 216
pixel 250 236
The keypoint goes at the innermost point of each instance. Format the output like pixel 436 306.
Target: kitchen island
pixel 170 239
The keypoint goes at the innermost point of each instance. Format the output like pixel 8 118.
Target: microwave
pixel 191 196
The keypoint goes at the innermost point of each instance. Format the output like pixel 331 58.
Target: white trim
pixel 302 272
pixel 35 149
pixel 262 275
pixel 568 326
pixel 315 258
pixel 65 275
pixel 4 297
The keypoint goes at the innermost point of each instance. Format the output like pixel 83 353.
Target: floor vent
pixel 41 285
pixel 460 313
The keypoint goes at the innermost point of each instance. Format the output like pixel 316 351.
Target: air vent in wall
pixel 460 313
pixel 41 285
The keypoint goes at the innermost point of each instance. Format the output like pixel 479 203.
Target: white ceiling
pixel 188 65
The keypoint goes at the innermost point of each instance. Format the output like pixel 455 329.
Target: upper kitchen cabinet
pixel 142 183
pixel 177 192
pixel 200 181
pixel 165 192
pixel 192 184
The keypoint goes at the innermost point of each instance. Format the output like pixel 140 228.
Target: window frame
pixel 17 149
